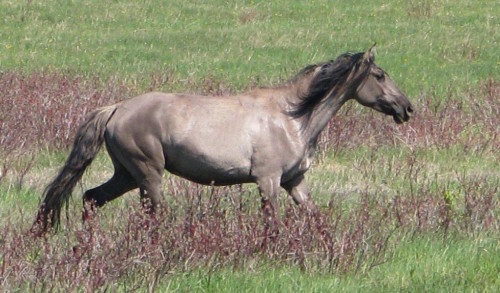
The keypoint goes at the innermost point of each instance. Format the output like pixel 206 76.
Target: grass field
pixel 403 208
pixel 427 45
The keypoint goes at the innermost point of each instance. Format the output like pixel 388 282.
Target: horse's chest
pixel 299 168
pixel 305 164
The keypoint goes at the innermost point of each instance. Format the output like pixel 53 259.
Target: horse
pixel 266 136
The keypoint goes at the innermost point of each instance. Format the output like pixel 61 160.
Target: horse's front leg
pixel 269 189
pixel 299 191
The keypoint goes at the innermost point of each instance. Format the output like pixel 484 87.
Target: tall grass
pixel 207 231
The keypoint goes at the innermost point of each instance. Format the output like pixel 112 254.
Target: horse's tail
pixel 88 141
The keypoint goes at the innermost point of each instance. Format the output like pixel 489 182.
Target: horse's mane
pixel 332 76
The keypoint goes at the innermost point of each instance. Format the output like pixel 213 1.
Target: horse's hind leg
pixel 151 193
pixel 142 156
pixel 147 167
pixel 120 183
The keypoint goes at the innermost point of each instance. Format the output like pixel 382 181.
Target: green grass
pixel 416 266
pixel 436 46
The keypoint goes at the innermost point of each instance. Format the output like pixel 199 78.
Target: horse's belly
pixel 210 169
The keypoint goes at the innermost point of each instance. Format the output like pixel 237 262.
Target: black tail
pixel 88 141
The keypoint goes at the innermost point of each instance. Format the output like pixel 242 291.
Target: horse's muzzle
pixel 403 115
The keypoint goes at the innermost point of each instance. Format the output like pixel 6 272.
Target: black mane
pixel 333 74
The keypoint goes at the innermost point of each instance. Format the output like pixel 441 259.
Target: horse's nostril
pixel 409 110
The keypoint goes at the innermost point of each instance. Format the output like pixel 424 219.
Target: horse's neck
pixel 311 125
pixel 320 117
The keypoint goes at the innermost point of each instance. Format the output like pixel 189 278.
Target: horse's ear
pixel 369 55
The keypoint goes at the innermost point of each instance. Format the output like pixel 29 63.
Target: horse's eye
pixel 380 76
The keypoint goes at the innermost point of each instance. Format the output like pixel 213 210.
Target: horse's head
pixel 379 92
